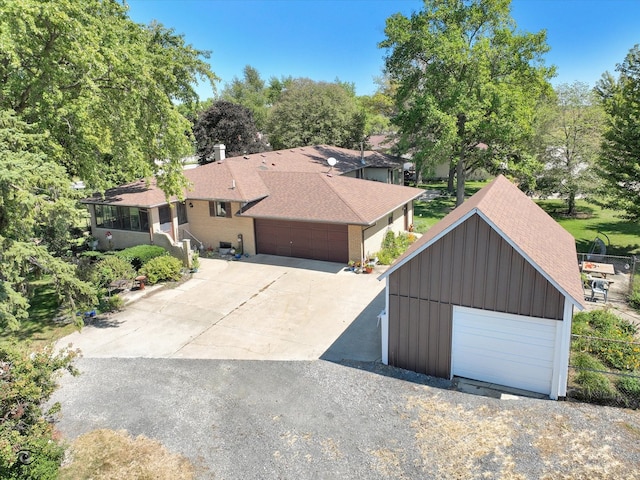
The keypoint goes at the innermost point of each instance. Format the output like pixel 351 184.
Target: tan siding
pixel 213 230
pixel 355 242
pixel 470 266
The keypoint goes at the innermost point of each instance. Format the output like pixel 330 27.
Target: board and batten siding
pixel 471 266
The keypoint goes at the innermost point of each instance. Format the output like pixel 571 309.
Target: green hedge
pixel 161 269
pixel 141 254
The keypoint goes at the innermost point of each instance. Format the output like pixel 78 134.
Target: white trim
pixel 384 327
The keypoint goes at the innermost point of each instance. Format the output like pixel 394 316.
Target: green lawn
pixel 621 236
pixel 39 329
pixel 427 214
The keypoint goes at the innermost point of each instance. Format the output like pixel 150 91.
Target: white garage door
pixel 508 350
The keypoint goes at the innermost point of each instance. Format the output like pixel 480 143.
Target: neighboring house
pixel 488 294
pixel 288 202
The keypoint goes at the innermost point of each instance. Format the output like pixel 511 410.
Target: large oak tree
pixel 468 84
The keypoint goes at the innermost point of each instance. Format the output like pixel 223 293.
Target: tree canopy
pixel 101 86
pixel 250 92
pixel 85 93
pixel 570 143
pixel 620 159
pixel 230 124
pixel 468 84
pixel 315 113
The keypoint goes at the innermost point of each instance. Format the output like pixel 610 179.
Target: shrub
pixel 111 303
pixel 593 386
pixel 111 268
pixel 634 298
pixel 27 382
pixel 162 268
pixel 630 386
pixel 393 247
pixel 620 353
pixel 141 254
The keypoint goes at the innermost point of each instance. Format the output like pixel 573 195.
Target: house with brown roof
pixel 488 294
pixel 289 202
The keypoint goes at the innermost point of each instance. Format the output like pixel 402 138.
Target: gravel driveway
pixel 322 420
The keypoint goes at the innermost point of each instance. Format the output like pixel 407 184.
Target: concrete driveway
pixel 259 308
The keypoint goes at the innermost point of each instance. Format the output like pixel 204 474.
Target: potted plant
pixel 351 265
pixel 195 262
pixel 368 268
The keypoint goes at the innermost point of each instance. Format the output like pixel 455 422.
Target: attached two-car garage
pixel 318 241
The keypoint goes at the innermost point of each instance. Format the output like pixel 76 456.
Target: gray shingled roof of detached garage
pixel 523 224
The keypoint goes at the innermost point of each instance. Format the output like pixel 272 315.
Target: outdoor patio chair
pixel 599 287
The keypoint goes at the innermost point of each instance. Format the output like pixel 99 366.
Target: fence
pixel 625 268
pixel 605 370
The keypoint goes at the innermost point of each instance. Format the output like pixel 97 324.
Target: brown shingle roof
pixel 136 194
pixel 293 184
pixel 319 197
pixel 528 228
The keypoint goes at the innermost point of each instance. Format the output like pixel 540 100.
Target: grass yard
pixel 427 214
pixel 39 329
pixel 621 236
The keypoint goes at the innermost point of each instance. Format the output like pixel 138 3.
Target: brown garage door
pixel 317 241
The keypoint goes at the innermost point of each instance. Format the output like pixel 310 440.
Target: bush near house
pixel 161 269
pixel 141 254
pixel 393 246
pixel 605 343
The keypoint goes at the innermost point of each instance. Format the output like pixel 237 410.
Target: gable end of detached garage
pixel 486 294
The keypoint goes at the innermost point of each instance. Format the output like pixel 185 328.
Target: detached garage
pixel 487 294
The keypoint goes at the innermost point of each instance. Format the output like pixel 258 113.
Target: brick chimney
pixel 218 152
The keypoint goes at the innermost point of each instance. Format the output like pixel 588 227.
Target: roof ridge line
pixel 325 177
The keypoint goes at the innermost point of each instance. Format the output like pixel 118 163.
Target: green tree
pixel 468 83
pixel 27 449
pixel 315 113
pixel 571 144
pixel 620 159
pixel 276 87
pixel 250 92
pixel 37 209
pixel 103 87
pixel 230 124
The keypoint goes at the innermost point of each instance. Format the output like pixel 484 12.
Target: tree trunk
pixel 460 178
pixel 571 204
pixel 460 168
pixel 452 174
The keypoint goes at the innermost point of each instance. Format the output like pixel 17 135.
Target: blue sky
pixel 329 39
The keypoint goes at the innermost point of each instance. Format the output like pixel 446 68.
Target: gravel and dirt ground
pixel 323 420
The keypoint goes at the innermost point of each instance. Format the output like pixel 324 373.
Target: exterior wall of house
pixel 373 236
pixel 385 175
pixel 471 266
pixel 213 230
pixel 355 242
pixel 441 172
